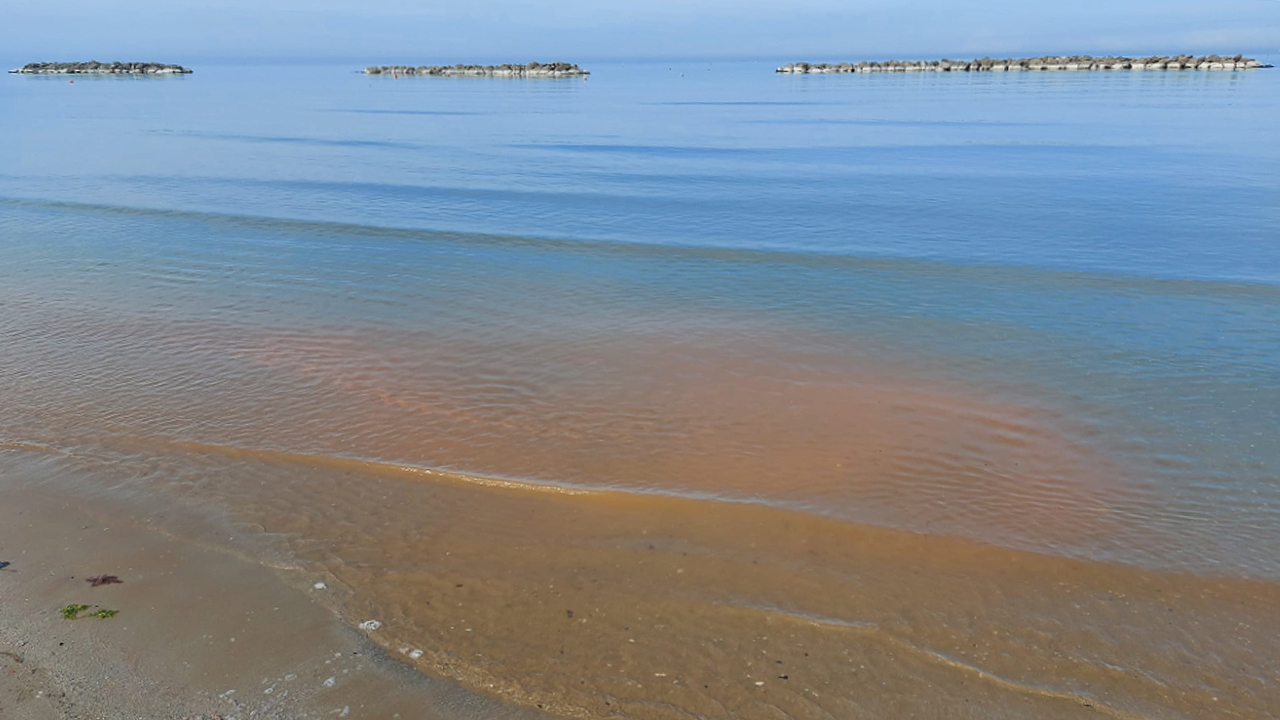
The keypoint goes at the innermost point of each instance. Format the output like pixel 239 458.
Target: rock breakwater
pixel 532 70
pixel 94 67
pixel 1065 63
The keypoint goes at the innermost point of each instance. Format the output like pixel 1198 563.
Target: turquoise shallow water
pixel 601 282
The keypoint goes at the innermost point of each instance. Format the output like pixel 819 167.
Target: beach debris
pixel 105 614
pixel 319 586
pixel 415 654
pixel 72 611
pixel 4 564
pixel 100 580
pixel 330 682
pixel 370 625
pixel 14 656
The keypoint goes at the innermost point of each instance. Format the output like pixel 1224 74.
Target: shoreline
pixel 509 600
pixel 199 634
pixel 1071 63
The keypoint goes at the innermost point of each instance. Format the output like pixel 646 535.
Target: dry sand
pixel 200 634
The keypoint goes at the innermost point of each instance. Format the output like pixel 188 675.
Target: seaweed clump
pixel 72 611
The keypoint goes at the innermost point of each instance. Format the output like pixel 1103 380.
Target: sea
pixel 1032 314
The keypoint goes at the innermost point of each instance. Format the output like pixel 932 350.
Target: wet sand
pixel 199 634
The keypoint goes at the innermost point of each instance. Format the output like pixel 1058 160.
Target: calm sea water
pixel 1041 310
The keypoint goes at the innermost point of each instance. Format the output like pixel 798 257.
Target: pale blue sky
pixel 512 30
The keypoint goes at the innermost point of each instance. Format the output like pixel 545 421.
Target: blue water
pixel 1152 174
pixel 1100 248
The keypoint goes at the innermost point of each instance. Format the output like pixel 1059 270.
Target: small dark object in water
pixel 98 580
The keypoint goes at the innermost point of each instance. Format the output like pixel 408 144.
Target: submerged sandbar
pixel 1057 63
pixel 531 70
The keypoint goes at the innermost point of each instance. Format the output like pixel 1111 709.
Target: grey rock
pixel 532 70
pixel 93 67
pixel 1074 63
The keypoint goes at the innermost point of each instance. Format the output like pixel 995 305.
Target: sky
pixel 422 31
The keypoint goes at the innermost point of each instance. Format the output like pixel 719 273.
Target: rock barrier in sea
pixel 1066 63
pixel 532 70
pixel 94 67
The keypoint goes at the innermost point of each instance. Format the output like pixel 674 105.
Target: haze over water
pixel 1039 312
